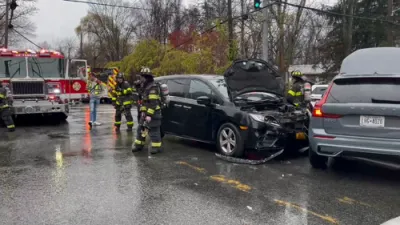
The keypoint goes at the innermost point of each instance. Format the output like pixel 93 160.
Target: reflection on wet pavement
pixel 66 174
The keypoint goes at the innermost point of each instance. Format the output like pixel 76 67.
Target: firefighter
pixel 295 93
pixel 5 103
pixel 122 102
pixel 150 113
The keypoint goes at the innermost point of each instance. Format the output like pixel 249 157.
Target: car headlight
pixel 257 117
pixel 272 121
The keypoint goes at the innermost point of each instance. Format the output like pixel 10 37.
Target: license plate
pixel 372 121
pixel 300 136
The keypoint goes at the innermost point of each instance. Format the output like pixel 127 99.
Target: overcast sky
pixel 57 19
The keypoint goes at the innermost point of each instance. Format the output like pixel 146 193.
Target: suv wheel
pixel 317 161
pixel 229 141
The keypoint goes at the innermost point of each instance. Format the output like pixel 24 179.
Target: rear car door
pixel 198 125
pixel 365 107
pixel 174 115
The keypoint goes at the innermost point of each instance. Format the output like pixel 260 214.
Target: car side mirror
pixel 230 72
pixel 204 100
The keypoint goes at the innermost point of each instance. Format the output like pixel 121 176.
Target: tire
pixel 63 117
pixel 235 146
pixel 317 161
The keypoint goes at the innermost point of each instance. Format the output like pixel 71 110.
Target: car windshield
pixel 220 84
pixel 319 90
pixel 45 67
pixel 12 67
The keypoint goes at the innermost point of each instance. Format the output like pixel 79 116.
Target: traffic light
pixel 257 4
pixel 13 4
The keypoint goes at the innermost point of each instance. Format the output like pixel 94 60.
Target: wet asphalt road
pixel 66 174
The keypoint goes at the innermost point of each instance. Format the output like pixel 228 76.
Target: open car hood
pixel 252 75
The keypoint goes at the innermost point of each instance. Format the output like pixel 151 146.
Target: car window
pixel 221 86
pixel 163 81
pixel 365 90
pixel 319 90
pixel 176 87
pixel 198 88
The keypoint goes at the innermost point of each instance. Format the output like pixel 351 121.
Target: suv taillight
pixel 317 110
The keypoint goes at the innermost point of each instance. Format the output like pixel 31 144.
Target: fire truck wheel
pixel 62 117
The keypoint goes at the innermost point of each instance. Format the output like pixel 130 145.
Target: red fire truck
pixel 42 82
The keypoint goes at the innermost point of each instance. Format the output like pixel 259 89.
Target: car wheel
pixel 317 161
pixel 229 140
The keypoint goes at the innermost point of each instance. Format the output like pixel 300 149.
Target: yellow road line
pixel 198 169
pixel 351 201
pixel 292 205
pixel 234 183
pixel 219 178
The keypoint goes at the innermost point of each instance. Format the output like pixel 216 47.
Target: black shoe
pixel 137 148
pixel 155 150
pixel 90 125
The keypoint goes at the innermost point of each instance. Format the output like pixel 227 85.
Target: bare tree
pixel 112 28
pixel 20 21
pixel 67 46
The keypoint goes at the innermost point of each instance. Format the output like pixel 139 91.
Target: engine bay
pixel 286 115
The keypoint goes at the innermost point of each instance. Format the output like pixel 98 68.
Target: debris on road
pixel 248 161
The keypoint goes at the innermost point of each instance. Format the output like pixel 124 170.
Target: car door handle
pixel 178 105
pixel 187 107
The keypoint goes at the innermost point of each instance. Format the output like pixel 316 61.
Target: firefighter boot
pixel 137 148
pixel 11 128
pixel 154 150
pixel 129 129
pixel 117 128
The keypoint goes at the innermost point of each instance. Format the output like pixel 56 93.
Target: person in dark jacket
pixel 150 113
pixel 5 104
pixel 295 94
pixel 122 102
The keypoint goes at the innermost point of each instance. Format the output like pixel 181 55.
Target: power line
pixel 26 38
pixel 104 4
pixel 336 14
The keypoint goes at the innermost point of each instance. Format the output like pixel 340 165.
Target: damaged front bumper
pixel 276 136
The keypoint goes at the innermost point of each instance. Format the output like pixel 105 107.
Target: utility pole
pixel 265 31
pixel 81 45
pixel 230 29
pixel 390 38
pixel 6 27
pixel 242 51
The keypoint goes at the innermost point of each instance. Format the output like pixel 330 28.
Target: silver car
pixel 317 91
pixel 359 114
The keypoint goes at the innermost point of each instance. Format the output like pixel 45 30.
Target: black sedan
pixel 242 110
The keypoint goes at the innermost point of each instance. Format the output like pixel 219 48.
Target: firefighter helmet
pixel 145 71
pixel 120 76
pixel 296 73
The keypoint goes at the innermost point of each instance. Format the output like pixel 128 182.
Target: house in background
pixel 315 73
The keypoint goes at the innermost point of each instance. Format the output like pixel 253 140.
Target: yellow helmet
pixel 296 73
